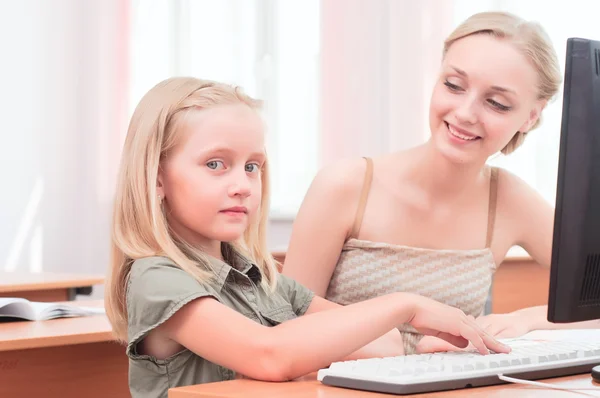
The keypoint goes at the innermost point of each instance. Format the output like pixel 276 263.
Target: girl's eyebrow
pixel 217 150
pixel 222 150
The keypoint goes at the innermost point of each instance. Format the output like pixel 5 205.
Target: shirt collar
pixel 234 262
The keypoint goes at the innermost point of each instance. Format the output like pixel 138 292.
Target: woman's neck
pixel 440 177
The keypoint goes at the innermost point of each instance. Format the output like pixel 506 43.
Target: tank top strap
pixel 362 202
pixel 492 206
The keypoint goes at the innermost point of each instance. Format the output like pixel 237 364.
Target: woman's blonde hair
pixel 139 227
pixel 527 36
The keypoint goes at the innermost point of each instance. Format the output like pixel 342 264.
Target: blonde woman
pixel 192 289
pixel 435 220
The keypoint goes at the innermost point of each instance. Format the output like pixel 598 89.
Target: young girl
pixel 192 289
pixel 435 219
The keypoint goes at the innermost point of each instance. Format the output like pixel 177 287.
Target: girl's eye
pixel 252 168
pixel 215 165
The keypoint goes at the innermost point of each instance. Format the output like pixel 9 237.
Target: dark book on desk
pixel 21 308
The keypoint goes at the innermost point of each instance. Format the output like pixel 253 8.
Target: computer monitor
pixel 575 268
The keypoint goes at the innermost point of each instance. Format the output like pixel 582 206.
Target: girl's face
pixel 211 181
pixel 486 92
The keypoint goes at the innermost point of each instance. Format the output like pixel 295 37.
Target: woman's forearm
pixel 539 320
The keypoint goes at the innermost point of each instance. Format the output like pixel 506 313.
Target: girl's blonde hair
pixel 527 36
pixel 139 227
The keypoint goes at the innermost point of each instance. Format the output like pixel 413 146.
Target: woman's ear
pixel 534 116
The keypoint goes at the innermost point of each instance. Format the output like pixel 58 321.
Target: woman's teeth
pixel 459 135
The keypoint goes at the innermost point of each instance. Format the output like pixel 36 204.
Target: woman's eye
pixel 252 168
pixel 499 106
pixel 452 86
pixel 215 165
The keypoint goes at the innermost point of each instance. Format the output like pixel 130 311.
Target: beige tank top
pixel 459 278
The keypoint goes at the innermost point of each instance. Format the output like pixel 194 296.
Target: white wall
pixel 64 94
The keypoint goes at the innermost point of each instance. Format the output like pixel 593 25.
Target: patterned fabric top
pixel 459 278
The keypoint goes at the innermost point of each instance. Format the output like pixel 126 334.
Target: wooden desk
pixel 69 357
pixel 309 387
pixel 46 286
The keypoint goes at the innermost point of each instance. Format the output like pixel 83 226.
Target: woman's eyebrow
pixel 495 88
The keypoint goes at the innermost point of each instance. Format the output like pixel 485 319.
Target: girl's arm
pixel 388 345
pixel 306 344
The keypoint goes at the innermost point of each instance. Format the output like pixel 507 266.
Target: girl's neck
pixel 214 249
pixel 209 246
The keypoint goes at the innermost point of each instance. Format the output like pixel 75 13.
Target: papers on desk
pixel 34 311
pixel 572 335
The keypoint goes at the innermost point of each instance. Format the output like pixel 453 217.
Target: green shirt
pixel 157 289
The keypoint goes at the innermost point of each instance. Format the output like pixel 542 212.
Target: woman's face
pixel 486 92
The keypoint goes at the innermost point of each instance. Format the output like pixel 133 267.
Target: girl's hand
pixel 452 325
pixel 388 345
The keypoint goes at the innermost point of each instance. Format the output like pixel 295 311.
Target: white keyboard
pixel 412 374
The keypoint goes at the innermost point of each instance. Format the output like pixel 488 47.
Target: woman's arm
pixel 532 220
pixel 525 320
pixel 529 219
pixel 308 343
pixel 323 223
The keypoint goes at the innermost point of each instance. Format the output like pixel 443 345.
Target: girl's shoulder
pixel 153 267
pixel 149 275
pixel 152 262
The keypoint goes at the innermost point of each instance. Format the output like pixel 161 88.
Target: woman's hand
pixel 502 326
pixel 430 344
